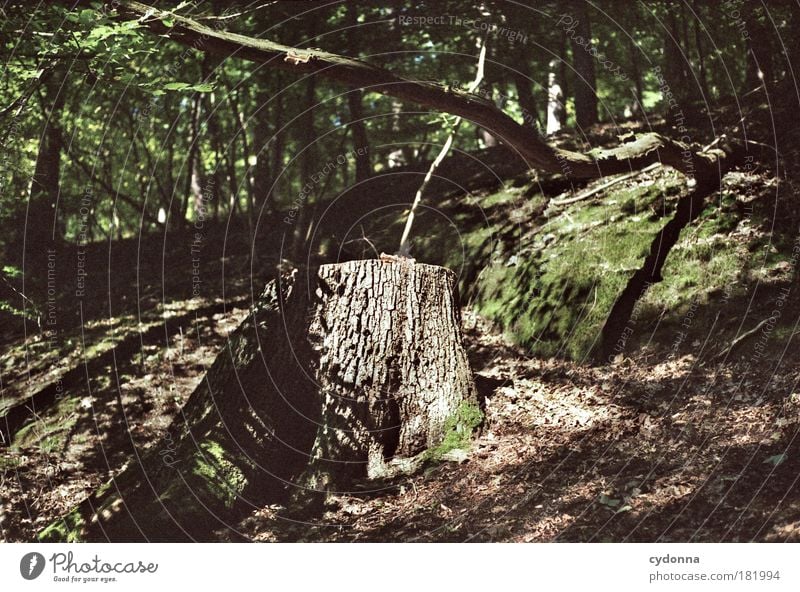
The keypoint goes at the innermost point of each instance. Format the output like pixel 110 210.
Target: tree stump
pixel 391 366
pixel 337 371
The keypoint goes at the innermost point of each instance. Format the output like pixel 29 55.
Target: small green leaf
pixel 203 87
pixel 87 15
pixel 777 459
pixel 176 85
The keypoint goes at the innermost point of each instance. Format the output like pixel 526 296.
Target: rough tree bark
pixel 338 373
pixel 392 369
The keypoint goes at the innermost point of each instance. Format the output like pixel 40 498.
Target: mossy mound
pixel 549 276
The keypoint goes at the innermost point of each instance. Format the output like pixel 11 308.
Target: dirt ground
pixel 669 450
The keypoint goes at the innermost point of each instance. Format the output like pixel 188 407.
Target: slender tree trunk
pixel 42 230
pixel 355 100
pixel 279 137
pixel 308 160
pixel 672 57
pixel 760 47
pixel 233 185
pixel 634 53
pixel 216 145
pixel 701 54
pixel 262 171
pixel 523 84
pixel 360 139
pixel 562 77
pixel 194 185
pixel 583 62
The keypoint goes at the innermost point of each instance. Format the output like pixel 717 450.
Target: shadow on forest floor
pixel 632 452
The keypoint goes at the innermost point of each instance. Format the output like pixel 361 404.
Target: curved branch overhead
pixel 643 151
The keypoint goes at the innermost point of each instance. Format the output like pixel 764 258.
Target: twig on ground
pixel 603 187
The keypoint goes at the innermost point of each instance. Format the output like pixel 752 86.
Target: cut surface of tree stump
pixel 336 371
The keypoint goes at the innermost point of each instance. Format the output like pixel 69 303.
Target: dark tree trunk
pixel 360 139
pixel 41 229
pixel 759 43
pixel 701 53
pixel 308 160
pixel 194 184
pixel 527 100
pixel 355 100
pixel 262 172
pixel 523 83
pixel 563 76
pixel 339 373
pixel 583 62
pixel 216 144
pixel 279 137
pixel 634 53
pixel 233 184
pixel 240 125
pixel 677 68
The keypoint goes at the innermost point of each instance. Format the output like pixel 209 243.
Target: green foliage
pixel 130 97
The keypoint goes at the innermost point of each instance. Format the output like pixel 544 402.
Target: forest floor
pixel 673 451
pixel 637 451
pixel 667 444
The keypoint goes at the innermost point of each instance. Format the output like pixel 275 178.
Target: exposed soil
pixel 634 452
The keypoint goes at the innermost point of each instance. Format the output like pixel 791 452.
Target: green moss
pixel 64 530
pixel 502 197
pixel 705 260
pixel 550 280
pixel 457 431
pixel 49 432
pixel 556 298
pixel 223 477
pixel 9 462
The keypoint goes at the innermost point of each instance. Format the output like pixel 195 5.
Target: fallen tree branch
pixel 738 340
pixel 603 187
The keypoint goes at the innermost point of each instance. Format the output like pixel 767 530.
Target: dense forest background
pixel 151 186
